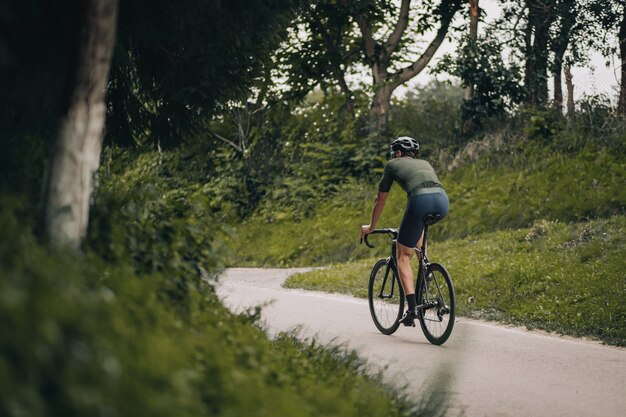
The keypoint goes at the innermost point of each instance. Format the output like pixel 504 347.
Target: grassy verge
pixel 80 336
pixel 567 278
pixel 508 190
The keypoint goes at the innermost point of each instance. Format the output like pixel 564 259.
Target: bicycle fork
pixel 391 264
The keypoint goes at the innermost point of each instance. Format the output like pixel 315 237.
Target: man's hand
pixel 365 230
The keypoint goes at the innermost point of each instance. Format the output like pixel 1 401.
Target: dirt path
pixel 496 370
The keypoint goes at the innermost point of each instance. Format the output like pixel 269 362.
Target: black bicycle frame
pixel 393 284
pixel 393 264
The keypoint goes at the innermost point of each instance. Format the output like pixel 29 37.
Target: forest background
pixel 146 145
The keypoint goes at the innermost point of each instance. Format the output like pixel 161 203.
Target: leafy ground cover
pixel 562 277
pixel 509 189
pixel 83 336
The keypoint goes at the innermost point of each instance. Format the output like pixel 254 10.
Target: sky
pixel 594 78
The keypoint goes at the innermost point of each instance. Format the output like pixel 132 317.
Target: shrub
pixel 82 337
pixel 543 124
pixel 158 216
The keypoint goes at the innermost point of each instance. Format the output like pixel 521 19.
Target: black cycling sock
pixel 411 300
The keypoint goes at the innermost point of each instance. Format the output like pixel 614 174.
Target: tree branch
pixel 418 66
pixel 396 35
pixel 366 33
pixel 368 38
pixel 231 143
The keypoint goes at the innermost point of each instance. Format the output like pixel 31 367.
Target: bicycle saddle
pixel 431 219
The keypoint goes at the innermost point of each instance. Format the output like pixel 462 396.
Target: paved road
pixel 496 370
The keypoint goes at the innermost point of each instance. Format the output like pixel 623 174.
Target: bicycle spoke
pixel 437 294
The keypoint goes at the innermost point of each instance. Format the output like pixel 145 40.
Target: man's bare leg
pixel 404 254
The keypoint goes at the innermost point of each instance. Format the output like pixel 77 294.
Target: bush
pixel 80 336
pixel 543 124
pixel 315 149
pixel 161 215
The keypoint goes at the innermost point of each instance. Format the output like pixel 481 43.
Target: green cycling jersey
pixel 412 174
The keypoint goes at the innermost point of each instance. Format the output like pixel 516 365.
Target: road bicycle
pixel 433 288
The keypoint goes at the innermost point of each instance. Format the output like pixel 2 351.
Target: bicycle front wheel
pixel 386 297
pixel 437 294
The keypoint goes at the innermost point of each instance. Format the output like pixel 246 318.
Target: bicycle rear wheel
pixel 437 293
pixel 386 297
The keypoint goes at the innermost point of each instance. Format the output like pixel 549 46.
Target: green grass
pixel 277 240
pixel 513 191
pixel 567 278
pixel 505 191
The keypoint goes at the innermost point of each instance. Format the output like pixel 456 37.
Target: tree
pixel 620 17
pixel 379 55
pixel 321 48
pixel 608 20
pixel 341 35
pixel 496 83
pixel 76 155
pixel 567 17
pixel 557 33
pixel 540 18
pixel 178 64
pixel 570 91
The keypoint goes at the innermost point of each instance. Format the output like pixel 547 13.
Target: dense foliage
pixel 496 83
pixel 177 64
pixel 432 115
pixel 33 75
pixel 83 336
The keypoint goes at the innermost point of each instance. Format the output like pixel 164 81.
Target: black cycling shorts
pixel 417 207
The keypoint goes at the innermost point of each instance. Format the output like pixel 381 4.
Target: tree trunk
pixel 76 155
pixel 558 89
pixel 381 105
pixel 570 92
pixel 621 108
pixel 540 18
pixel 568 20
pixel 469 90
pixel 345 90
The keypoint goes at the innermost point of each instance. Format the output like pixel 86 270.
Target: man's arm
pixel 379 205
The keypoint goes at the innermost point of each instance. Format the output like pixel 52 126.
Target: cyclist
pixel 425 195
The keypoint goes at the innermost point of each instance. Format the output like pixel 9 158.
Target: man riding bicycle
pixel 425 195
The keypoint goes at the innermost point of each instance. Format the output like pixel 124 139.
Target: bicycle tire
pixel 437 322
pixel 385 296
